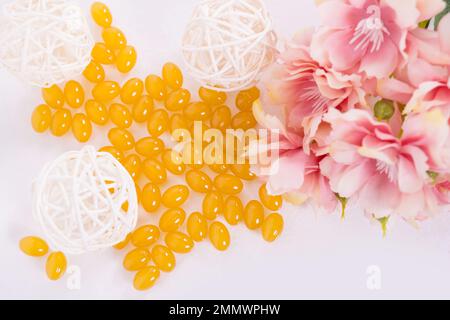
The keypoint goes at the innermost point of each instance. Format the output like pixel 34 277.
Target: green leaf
pixel 442 14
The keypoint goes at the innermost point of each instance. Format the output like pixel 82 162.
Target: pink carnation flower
pixel 368 35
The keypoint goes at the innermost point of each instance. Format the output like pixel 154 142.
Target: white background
pixel 317 257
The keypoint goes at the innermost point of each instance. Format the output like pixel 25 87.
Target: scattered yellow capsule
pixel 243 171
pixel 120 115
pixel 155 171
pixel 97 112
pixel 81 128
pixel 102 54
pixel 178 100
pixel 197 227
pixel 233 210
pixel 173 162
pixel 272 227
pixel 219 168
pixel 158 123
pixel 53 96
pixel 61 122
pixel 221 118
pixel 273 203
pixel 74 94
pixel 163 258
pixel 56 266
pixel 198 111
pixel 143 109
pixel 121 139
pixel 149 147
pixel 116 153
pixel 145 236
pixel 212 205
pixel 122 245
pixel 179 128
pixel 133 164
pixel 41 118
pixel 246 98
pixel 172 220
pixel 33 246
pixel 228 184
pixel 126 59
pixel 254 215
pixel 151 198
pixel 101 14
pixel 146 278
pixel 172 76
pixel 199 181
pixel 219 236
pixel 136 259
pixel 114 38
pixel 179 242
pixel 132 91
pixel 94 72
pixel 212 97
pixel 244 120
pixel 175 196
pixel 156 87
pixel 106 91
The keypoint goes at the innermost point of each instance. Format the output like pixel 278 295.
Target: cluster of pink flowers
pixel 363 105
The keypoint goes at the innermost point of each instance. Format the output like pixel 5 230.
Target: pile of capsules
pixel 149 159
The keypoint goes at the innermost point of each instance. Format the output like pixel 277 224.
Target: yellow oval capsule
pixel 102 54
pixel 233 210
pixel 198 111
pixel 158 123
pixel 179 242
pixel 244 120
pixel 193 155
pixel 272 227
pixel 94 72
pixel 151 198
pixel 56 266
pixel 149 147
pixel 212 97
pixel 163 258
pixel 136 259
pixel 246 98
pixel 243 171
pixel 219 236
pixel 173 162
pixel 156 87
pixel 172 220
pixel 126 59
pixel 175 196
pixel 145 236
pixel 41 118
pixel 219 168
pixel 143 109
pixel 116 153
pixel 197 227
pixel 132 91
pixel 120 116
pixel 101 14
pixel 212 205
pixel 179 128
pixel 96 112
pixel 81 128
pixel 53 96
pixel 146 278
pixel 106 91
pixel 61 122
pixel 122 245
pixel 172 75
pixel 178 100
pixel 133 164
pixel 199 181
pixel 228 184
pixel 114 38
pixel 74 94
pixel 254 215
pixel 121 139
pixel 221 118
pixel 155 171
pixel 273 203
pixel 33 246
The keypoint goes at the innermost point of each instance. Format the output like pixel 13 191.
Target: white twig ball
pixel 44 42
pixel 227 43
pixel 85 201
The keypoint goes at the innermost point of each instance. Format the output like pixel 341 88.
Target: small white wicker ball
pixel 227 43
pixel 44 42
pixel 85 201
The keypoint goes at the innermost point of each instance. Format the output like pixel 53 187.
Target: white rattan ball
pixel 227 43
pixel 85 201
pixel 44 42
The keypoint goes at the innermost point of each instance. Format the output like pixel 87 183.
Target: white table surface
pixel 317 256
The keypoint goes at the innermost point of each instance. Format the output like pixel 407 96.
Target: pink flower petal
pixel 408 179
pixel 381 63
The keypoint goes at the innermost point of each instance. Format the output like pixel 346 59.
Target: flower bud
pixel 384 110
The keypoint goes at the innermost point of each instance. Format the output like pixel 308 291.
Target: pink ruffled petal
pixel 429 8
pixel 408 179
pixel 381 63
pixel 336 14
